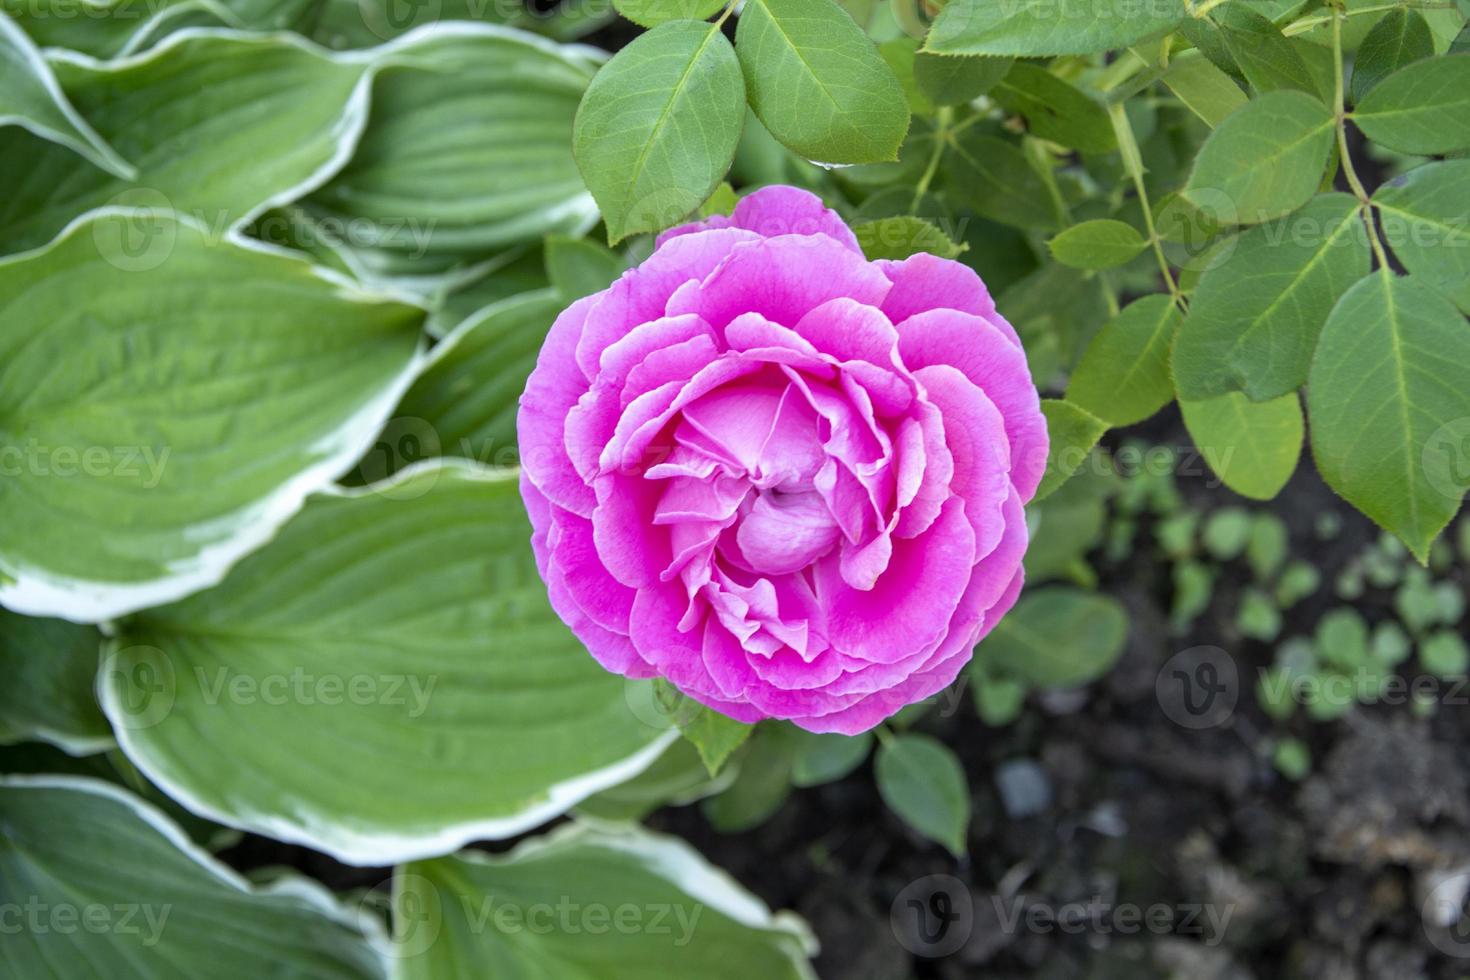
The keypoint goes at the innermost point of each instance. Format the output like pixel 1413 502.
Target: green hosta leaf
pixel 1035 28
pixel 902 236
pixel 921 780
pixel 1073 431
pixel 407 620
pixel 1055 109
pixel 517 270
pixel 1255 316
pixel 468 148
pixel 1123 376
pixel 1100 244
pixel 1400 38
pixel 1389 406
pixel 658 127
pixel 1425 215
pixel 579 267
pixel 1263 161
pixel 1056 637
pixel 356 24
pixel 112 28
pixel 146 903
pixel 817 82
pixel 994 178
pixel 202 144
pixel 652 13
pixel 1423 107
pixel 165 409
pixel 819 759
pixel 1206 90
pixel 1268 59
pixel 951 80
pixel 1252 446
pixel 30 97
pixel 50 670
pixel 589 901
pixel 464 401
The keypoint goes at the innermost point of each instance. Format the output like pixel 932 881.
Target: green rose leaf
pixel 1056 637
pixel 652 13
pixel 216 151
pixel 467 149
pixel 407 620
pixel 169 411
pixel 659 125
pixel 1269 60
pixel 590 900
pixel 921 780
pixel 994 178
pixel 1264 161
pixel 1123 377
pixel 1400 38
pixel 826 758
pixel 579 267
pixel 1423 107
pixel 901 236
pixel 1252 446
pixel 1073 431
pixel 1038 28
pixel 1389 408
pixel 169 907
pixel 50 667
pixel 951 80
pixel 1104 243
pixel 715 736
pixel 1425 215
pixel 818 84
pixel 1206 90
pixel 1055 109
pixel 1255 316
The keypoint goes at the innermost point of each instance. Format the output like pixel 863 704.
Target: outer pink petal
pixel 975 434
pixel 554 387
pixel 924 282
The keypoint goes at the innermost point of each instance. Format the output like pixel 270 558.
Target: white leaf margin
pixel 668 857
pixel 288 885
pixel 361 848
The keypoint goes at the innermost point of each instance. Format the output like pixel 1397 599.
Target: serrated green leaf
pixel 579 267
pixel 901 236
pixel 955 80
pixel 826 758
pixel 1037 28
pixel 1255 316
pixel 50 670
pixel 993 178
pixel 921 780
pixel 1056 637
pixel 468 149
pixel 1264 161
pixel 168 410
pixel 1073 432
pixel 1269 60
pixel 201 145
pixel 1123 377
pixel 1425 217
pixel 653 13
pixel 659 125
pixel 1400 38
pixel 1252 446
pixel 712 734
pixel 1205 89
pixel 1055 109
pixel 1423 107
pixel 1103 243
pixel 464 400
pixel 407 618
pixel 144 900
pixel 1388 406
pixel 817 83
pixel 632 904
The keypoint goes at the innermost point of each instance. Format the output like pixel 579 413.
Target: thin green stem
pixel 1128 146
pixel 1317 20
pixel 941 136
pixel 1340 117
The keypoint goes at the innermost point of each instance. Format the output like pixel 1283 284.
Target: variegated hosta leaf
pixel 384 681
pixel 31 98
pixel 114 28
pixel 219 126
pixel 104 885
pixel 598 900
pixel 50 671
pixel 468 150
pixel 167 400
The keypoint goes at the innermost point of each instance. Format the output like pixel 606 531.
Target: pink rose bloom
pixel 785 478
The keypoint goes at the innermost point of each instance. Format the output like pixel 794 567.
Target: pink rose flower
pixel 785 478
